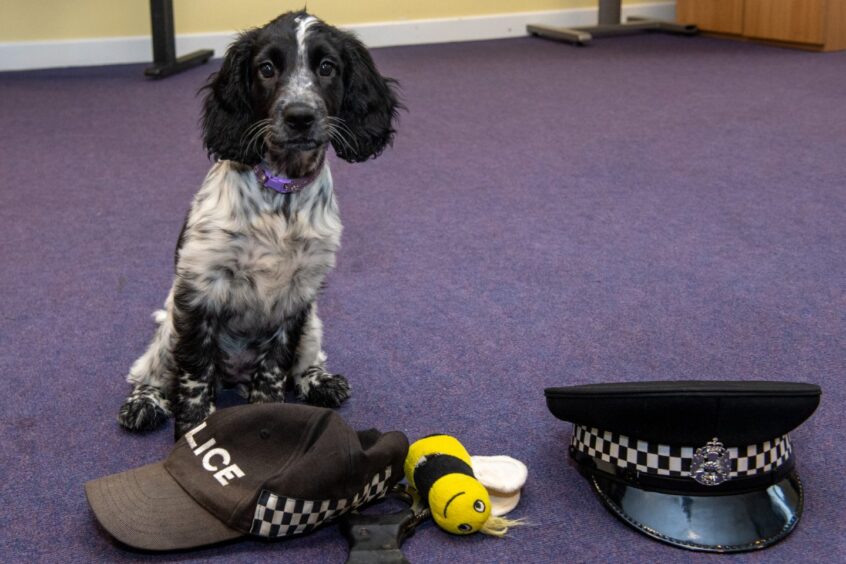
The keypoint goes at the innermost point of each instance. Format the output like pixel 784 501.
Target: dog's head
pixel 287 90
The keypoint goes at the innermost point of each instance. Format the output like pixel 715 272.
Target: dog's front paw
pixel 188 415
pixel 182 426
pixel 267 386
pixel 144 410
pixel 193 404
pixel 323 389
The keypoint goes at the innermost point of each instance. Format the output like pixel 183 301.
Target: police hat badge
pixel 702 465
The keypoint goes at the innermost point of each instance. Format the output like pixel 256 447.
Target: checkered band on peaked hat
pixel 279 516
pixel 676 461
pixel 698 464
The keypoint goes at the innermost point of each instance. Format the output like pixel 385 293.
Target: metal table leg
pixel 609 24
pixel 165 61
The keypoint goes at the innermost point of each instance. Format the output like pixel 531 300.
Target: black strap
pixel 377 538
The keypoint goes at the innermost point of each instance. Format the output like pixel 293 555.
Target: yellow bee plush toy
pixel 439 468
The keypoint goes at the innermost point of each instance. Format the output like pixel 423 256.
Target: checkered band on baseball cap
pixel 279 516
pixel 676 461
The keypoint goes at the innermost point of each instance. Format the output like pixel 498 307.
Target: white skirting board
pixel 20 55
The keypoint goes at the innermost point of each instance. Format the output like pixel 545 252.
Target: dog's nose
pixel 298 117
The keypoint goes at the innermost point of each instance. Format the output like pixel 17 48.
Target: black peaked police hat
pixel 267 470
pixel 700 465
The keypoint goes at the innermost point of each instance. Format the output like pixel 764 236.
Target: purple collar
pixel 282 184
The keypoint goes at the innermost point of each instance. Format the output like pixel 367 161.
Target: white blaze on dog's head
pixel 301 82
pixel 303 23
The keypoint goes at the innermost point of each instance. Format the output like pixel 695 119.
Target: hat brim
pixel 145 508
pixel 720 523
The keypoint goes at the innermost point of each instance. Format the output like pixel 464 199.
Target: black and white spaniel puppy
pixel 263 229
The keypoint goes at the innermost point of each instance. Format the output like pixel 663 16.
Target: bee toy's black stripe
pixel 435 466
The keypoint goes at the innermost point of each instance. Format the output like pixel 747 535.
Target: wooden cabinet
pixel 812 24
pixel 796 21
pixel 720 16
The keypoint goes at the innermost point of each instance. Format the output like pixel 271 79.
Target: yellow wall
pixel 31 20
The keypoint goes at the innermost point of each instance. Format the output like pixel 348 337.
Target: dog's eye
pixel 266 70
pixel 326 68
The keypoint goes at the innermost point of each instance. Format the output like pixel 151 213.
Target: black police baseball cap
pixel 701 465
pixel 267 470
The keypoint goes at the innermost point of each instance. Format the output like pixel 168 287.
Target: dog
pixel 263 229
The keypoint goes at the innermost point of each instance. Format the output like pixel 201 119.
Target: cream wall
pixel 37 20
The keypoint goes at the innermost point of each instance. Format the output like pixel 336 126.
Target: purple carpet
pixel 649 207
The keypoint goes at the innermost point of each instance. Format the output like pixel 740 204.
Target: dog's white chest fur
pixel 254 253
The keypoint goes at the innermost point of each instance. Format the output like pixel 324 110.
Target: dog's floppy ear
pixel 227 110
pixel 369 105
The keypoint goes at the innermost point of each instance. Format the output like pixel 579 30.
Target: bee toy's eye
pixel 465 528
pixel 479 506
pixel 266 70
